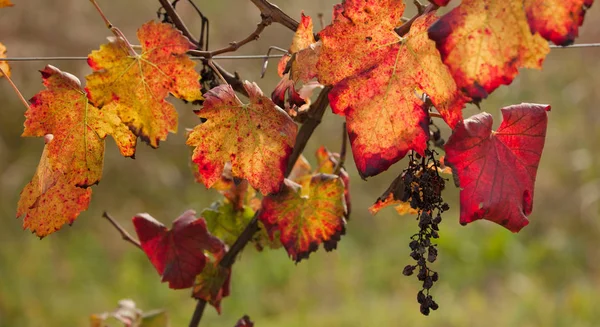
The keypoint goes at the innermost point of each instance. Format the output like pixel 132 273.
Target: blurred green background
pixel 547 275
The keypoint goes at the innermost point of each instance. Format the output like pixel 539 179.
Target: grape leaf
pixel 557 20
pixel 485 42
pixel 305 221
pixel 385 117
pixel 136 85
pixel 5 3
pixel 226 222
pixel 212 284
pixel 177 254
pixel 358 38
pixel 78 127
pixel 73 160
pixel 327 162
pixel 3 64
pixel 257 138
pixel 50 200
pixel 440 3
pixel 496 170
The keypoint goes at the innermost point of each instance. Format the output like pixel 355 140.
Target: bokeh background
pixel 547 275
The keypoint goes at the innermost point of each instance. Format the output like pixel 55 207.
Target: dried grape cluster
pixel 423 187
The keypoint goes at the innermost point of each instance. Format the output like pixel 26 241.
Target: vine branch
pixel 272 12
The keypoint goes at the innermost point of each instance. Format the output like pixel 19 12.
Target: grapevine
pixel 393 79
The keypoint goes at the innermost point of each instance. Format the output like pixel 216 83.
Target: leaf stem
pixel 14 86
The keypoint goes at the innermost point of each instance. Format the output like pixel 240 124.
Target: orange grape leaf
pixel 73 160
pixel 50 200
pixel 485 42
pixel 302 39
pixel 78 127
pixel 557 20
pixel 305 221
pixel 212 284
pixel 136 85
pixel 3 64
pixel 6 3
pixel 385 117
pixel 496 170
pixel 302 173
pixel 358 38
pixel 257 138
pixel 177 254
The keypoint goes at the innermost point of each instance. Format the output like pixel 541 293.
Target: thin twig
pixel 341 161
pixel 178 21
pixel 117 32
pixel 124 234
pixel 14 86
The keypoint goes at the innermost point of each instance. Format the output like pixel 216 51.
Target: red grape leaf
pixel 3 64
pixel 385 117
pixel 244 322
pixel 257 138
pixel 302 39
pixel 440 3
pixel 50 200
pixel 485 42
pixel 212 284
pixel 177 254
pixel 557 20
pixel 136 85
pixel 496 169
pixel 303 221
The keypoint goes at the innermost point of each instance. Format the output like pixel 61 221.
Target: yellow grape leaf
pixel 256 138
pixel 49 201
pixel 136 85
